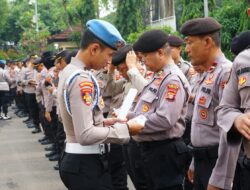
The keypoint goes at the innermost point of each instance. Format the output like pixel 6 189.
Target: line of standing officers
pixel 191 137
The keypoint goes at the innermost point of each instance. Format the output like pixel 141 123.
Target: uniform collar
pixel 180 62
pixel 78 63
pixel 219 59
pixel 164 71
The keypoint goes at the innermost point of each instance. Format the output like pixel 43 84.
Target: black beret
pixel 66 55
pixel 120 55
pixel 48 59
pixel 241 42
pixel 37 61
pixel 175 41
pixel 200 26
pixel 150 41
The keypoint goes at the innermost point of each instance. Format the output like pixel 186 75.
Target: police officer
pixel 164 104
pixel 28 80
pixel 233 116
pixel 84 163
pixel 203 48
pixel 176 43
pixel 125 61
pixel 5 82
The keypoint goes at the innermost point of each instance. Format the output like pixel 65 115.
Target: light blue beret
pixel 106 33
pixel 2 61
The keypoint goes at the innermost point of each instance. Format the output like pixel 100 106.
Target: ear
pixel 93 48
pixel 208 41
pixel 161 52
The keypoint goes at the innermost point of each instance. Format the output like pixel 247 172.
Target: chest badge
pixel 242 80
pixel 202 100
pixel 145 108
pixel 203 114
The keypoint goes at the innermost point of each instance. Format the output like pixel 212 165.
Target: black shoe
pixel 31 126
pixel 50 147
pixel 49 154
pixel 46 142
pixel 26 120
pixel 54 157
pixel 36 130
pixel 42 139
pixel 22 115
pixel 56 167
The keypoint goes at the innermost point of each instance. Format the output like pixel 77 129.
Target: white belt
pixel 76 148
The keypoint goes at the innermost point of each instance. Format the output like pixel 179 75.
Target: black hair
pixel 88 38
pixel 215 37
pixel 2 65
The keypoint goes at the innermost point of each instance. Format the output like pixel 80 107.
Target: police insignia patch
pixel 86 89
pixel 242 80
pixel 145 108
pixel 203 114
pixel 172 90
pixel 86 96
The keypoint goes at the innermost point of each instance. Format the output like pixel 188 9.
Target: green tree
pixel 129 16
pixel 3 12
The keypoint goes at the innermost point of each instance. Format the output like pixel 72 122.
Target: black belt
pixel 151 144
pixel 202 153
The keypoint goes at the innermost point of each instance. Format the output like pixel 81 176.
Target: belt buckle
pixel 102 148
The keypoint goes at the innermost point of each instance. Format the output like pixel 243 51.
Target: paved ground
pixel 23 165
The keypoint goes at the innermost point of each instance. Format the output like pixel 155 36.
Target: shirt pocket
pixel 205 108
pixel 148 102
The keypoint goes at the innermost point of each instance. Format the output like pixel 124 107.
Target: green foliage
pixel 80 11
pixel 230 13
pixel 135 35
pixel 3 55
pixel 3 12
pixel 33 42
pixel 129 17
pixel 76 37
pixel 234 20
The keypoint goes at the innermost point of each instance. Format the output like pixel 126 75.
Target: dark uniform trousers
pixel 186 137
pixel 20 102
pixel 242 173
pixel 117 167
pixel 60 137
pixel 85 172
pixel 12 95
pixel 33 108
pixel 45 124
pixel 164 163
pixel 204 162
pixel 4 102
pixel 134 165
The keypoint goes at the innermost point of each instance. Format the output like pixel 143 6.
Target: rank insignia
pixel 242 80
pixel 172 90
pixel 209 80
pixel 157 82
pixel 145 108
pixel 101 102
pixel 222 84
pixel 86 95
pixel 202 100
pixel 86 84
pixel 203 114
